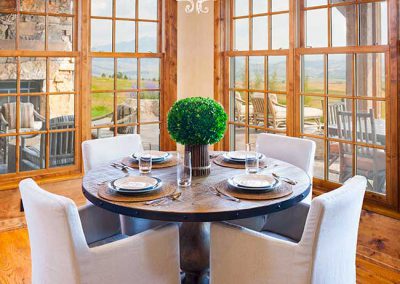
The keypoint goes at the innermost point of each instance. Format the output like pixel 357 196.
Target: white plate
pixel 239 155
pixel 155 155
pixel 135 182
pixel 254 181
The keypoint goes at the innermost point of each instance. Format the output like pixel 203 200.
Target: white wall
pixel 195 52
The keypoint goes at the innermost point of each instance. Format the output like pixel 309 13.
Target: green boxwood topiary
pixel 197 121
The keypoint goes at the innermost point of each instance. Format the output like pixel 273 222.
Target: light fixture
pixel 191 4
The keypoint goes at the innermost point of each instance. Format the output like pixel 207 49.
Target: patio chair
pixel 371 162
pixel 240 108
pixel 333 153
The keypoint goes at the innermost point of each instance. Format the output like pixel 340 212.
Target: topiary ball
pixel 197 121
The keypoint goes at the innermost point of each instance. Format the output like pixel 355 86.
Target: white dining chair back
pixel 99 151
pixel 326 252
pixel 60 253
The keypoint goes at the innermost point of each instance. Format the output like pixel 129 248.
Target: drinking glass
pixel 252 162
pixel 184 169
pixel 145 163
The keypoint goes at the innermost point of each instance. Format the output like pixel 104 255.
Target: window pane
pixel 373 23
pixel 371 163
pixel 338 111
pixel 237 138
pixel 371 75
pixel 149 106
pixel 260 33
pixel 127 111
pixel 102 108
pixel 148 9
pixel 238 106
pixel 277 73
pixel 312 117
pixel 260 6
pixel 238 72
pixel 8 32
pixel 241 7
pixel 62 74
pixel 280 31
pixel 149 73
pixel 32 6
pixel 280 5
pixel 312 77
pixel 125 8
pixel 148 37
pixel 10 123
pixel 316 28
pixel 343 26
pixel 340 74
pixel 8 5
pixel 62 144
pixel 340 161
pixel 7 154
pixel 319 165
pixel 253 133
pixel 256 72
pixel 241 34
pixel 33 71
pixel 32 111
pixel 101 8
pixel 32 32
pixel 8 75
pixel 125 36
pixel 126 73
pixel 311 3
pixel 60 33
pixel 101 35
pixel 61 7
pixel 371 122
pixel 102 74
pixel 62 106
pixel 150 135
pixel 33 152
pixel 277 111
pixel 256 109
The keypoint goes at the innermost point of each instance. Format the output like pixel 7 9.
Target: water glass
pixel 252 161
pixel 184 169
pixel 145 163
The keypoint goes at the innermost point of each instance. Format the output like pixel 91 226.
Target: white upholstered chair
pixel 323 252
pixel 101 151
pixel 61 254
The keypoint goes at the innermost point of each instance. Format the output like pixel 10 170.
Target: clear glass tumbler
pixel 252 161
pixel 145 163
pixel 184 169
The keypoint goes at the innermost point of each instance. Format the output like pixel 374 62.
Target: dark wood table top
pixel 197 203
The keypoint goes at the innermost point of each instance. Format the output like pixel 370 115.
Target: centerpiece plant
pixel 196 123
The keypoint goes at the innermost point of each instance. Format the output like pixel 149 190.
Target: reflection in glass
pixel 149 73
pixel 340 161
pixel 260 33
pixel 241 7
pixel 280 31
pixel 312 74
pixel 33 72
pixel 150 135
pixel 61 105
pixel 101 8
pixel 101 35
pixel 7 41
pixel 147 37
pixel 125 36
pixel 371 122
pixel 102 108
pixel 32 152
pixel 316 28
pixel 125 8
pixel 32 111
pixel 60 33
pixel 32 32
pixel 126 73
pixel 32 6
pixel 371 74
pixel 343 26
pixel 102 74
pixel 238 72
pixel 373 23
pixel 61 6
pixel 256 72
pixel 241 36
pixel 335 108
pixel 148 9
pixel 277 73
pixel 312 118
pixel 62 74
pixel 340 74
pixel 149 106
pixel 371 163
pixel 8 75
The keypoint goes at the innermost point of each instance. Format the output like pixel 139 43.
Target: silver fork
pixel 220 193
pixel 285 179
pixel 161 200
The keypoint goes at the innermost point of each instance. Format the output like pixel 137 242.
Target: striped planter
pixel 201 165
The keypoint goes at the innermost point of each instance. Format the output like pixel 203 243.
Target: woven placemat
pixel 128 161
pixel 220 161
pixel 108 194
pixel 283 190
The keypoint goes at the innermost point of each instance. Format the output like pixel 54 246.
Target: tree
pixel 103 75
pixel 273 82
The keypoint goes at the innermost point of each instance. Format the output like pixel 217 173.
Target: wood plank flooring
pixel 378 252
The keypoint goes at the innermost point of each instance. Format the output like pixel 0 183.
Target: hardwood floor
pixel 378 251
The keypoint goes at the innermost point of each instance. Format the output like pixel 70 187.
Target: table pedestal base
pixel 195 251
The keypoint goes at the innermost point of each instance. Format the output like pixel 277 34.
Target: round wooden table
pixel 197 207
